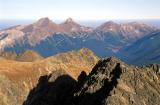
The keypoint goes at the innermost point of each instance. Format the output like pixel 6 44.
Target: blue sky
pixel 80 9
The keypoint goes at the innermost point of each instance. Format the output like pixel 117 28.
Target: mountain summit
pixel 71 26
pixel 69 20
pixel 44 21
pixel 39 30
pixel 110 25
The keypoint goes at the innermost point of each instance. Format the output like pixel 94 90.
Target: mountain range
pixel 144 51
pixel 46 63
pixel 48 38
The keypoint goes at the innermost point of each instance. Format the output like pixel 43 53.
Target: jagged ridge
pixel 111 82
pixel 17 77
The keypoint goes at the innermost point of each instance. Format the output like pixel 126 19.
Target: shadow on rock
pixel 51 91
pixel 102 94
pixel 61 89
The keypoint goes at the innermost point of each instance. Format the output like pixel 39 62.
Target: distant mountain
pixel 144 51
pixel 111 82
pixel 17 78
pixel 48 38
pixel 127 31
pixel 71 26
pixel 37 31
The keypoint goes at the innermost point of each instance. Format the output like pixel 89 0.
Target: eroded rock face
pixel 111 82
pixel 101 81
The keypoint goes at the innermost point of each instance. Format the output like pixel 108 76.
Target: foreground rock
pixel 111 82
pixel 17 78
pixel 56 88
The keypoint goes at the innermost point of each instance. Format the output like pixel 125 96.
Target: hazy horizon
pixel 80 10
pixel 90 23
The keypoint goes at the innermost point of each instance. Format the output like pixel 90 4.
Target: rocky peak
pixel 70 26
pixel 108 63
pixel 105 70
pixel 110 25
pixel 69 20
pixel 111 82
pixel 44 22
pixel 70 23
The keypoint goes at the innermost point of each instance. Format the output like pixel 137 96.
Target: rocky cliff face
pixel 111 82
pixel 18 78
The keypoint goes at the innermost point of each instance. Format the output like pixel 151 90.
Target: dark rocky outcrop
pixel 111 82
pixel 103 78
pixel 55 88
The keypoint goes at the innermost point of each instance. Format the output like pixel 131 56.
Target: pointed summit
pixel 40 29
pixel 70 26
pixel 69 20
pixel 110 25
pixel 44 21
